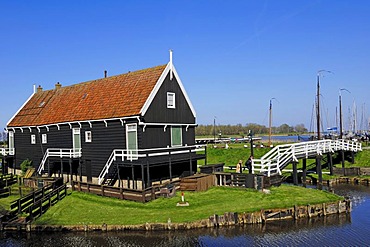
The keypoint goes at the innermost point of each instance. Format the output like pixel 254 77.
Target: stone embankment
pixel 347 180
pixel 227 219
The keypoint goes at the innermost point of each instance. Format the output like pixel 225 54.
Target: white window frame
pixel 33 139
pixel 171 95
pixel 131 128
pixel 177 145
pixel 88 136
pixel 11 140
pixel 44 138
pixel 76 131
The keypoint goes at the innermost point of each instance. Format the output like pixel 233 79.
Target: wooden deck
pixel 137 195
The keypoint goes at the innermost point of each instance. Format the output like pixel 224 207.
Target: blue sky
pixel 232 56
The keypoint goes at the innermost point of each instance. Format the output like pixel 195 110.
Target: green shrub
pixel 25 165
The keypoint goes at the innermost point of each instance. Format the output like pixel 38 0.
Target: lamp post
pixel 250 134
pixel 340 112
pixel 270 121
pixel 318 102
pixel 214 129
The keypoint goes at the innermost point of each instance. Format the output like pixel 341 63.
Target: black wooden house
pixel 127 130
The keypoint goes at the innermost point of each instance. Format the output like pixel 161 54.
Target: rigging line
pixel 312 117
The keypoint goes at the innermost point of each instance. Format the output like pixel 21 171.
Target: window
pixel 171 103
pixel 76 137
pixel 88 136
pixel 176 136
pixel 33 139
pixel 131 141
pixel 44 138
pixel 11 140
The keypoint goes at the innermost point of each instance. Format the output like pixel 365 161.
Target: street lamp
pixel 270 120
pixel 250 134
pixel 214 129
pixel 340 112
pixel 319 73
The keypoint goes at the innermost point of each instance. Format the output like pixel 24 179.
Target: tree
pixel 300 128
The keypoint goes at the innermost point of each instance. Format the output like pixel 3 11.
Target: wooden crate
pixel 197 182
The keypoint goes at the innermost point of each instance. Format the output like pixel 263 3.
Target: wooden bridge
pixel 279 157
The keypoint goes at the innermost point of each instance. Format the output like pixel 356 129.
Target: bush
pixel 25 165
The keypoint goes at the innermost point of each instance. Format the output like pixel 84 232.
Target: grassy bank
pixel 80 208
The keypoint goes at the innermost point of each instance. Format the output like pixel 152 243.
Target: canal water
pixel 335 230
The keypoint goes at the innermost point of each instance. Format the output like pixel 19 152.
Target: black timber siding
pixel 158 111
pixel 157 136
pixel 55 139
pixel 104 140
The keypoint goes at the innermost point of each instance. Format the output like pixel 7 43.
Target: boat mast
pixel 270 121
pixel 318 102
pixel 318 106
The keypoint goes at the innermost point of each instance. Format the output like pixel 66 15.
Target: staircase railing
pixel 7 151
pixel 131 155
pixel 59 152
pixel 280 156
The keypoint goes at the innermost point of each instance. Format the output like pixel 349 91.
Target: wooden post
pixel 148 172
pixel 319 172
pixel 205 153
pixel 61 168
pixel 191 161
pixel 352 157
pixel 133 177
pixel 295 173
pixel 142 177
pixel 70 170
pixel 304 173
pixel 170 166
pixel 342 156
pixel 330 163
pixel 2 165
pixel 80 170
pixel 119 177
pixel 73 185
pixel 49 175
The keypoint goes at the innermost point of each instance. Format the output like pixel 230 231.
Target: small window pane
pixel 88 136
pixel 171 100
pixel 33 139
pixel 44 138
pixel 176 136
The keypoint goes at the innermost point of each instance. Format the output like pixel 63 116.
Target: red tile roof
pixel 112 97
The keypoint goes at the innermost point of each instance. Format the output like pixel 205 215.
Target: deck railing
pixel 131 155
pixel 61 153
pixel 280 156
pixel 7 151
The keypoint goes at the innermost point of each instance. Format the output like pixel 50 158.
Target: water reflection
pixel 333 230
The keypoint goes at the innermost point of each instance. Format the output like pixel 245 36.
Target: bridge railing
pixel 278 157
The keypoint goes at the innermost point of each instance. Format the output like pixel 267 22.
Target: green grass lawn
pixel 81 208
pixel 232 155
